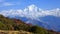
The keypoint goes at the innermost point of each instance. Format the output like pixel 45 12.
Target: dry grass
pixel 14 32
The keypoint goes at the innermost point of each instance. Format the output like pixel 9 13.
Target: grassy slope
pixel 16 26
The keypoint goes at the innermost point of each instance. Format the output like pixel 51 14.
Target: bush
pixel 38 30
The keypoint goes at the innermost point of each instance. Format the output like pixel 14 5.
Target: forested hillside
pixel 13 24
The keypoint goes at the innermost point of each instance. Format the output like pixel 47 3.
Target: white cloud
pixel 32 12
pixel 7 4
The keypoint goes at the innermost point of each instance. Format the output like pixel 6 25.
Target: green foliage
pixel 1 16
pixel 22 27
pixel 3 26
pixel 10 24
pixel 38 30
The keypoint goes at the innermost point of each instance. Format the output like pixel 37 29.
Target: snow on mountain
pixel 34 14
pixel 31 12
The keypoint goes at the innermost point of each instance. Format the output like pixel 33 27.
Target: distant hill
pixel 13 24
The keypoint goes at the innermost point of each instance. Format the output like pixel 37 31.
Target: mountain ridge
pixel 33 13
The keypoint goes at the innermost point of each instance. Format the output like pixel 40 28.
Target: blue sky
pixel 20 4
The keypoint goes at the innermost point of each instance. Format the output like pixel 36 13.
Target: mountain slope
pixel 17 25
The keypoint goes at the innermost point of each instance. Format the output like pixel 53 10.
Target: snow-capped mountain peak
pixel 34 13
